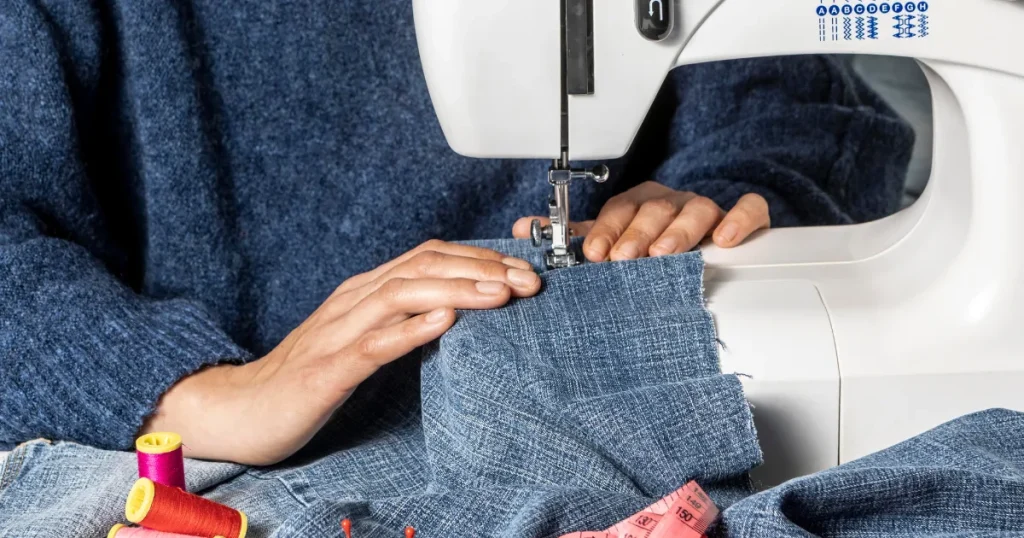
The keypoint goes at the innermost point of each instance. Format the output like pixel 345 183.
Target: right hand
pixel 262 412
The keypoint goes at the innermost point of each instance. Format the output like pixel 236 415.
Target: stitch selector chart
pixel 861 20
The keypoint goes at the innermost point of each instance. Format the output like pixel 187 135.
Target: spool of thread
pixel 120 531
pixel 160 458
pixel 168 509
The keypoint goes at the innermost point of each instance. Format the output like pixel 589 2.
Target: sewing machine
pixel 854 337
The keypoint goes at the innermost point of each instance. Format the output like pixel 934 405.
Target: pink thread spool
pixel 160 458
pixel 120 531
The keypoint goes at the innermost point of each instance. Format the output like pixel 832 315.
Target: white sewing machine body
pixel 855 337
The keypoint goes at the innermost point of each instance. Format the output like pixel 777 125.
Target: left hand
pixel 654 220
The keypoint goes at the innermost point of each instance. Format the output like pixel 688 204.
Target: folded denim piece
pixel 964 478
pixel 562 412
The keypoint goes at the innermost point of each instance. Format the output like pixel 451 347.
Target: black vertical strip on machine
pixel 579 47
pixel 562 85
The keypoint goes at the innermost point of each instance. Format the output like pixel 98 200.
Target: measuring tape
pixel 684 513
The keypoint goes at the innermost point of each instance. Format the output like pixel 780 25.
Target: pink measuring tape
pixel 684 513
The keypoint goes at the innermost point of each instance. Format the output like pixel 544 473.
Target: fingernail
pixel 599 248
pixel 629 250
pixel 666 245
pixel 728 232
pixel 436 316
pixel 522 278
pixel 490 288
pixel 516 262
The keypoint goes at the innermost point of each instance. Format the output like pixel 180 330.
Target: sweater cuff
pixel 141 351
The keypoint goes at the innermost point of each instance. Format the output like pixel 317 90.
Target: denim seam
pixel 253 473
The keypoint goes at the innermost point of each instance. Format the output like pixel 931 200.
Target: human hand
pixel 264 411
pixel 654 220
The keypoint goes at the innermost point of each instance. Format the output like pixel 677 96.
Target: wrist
pixel 190 405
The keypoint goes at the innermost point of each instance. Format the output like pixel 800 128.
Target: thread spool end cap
pixel 158 443
pixel 140 500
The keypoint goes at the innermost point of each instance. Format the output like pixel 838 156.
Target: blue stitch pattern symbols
pixel 855 20
pixel 903 26
pixel 873 27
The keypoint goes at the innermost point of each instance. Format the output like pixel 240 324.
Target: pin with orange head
pixel 346 525
pixel 410 532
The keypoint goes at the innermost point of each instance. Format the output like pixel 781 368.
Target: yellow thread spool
pixel 158 443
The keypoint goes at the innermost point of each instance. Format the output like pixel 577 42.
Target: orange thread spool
pixel 168 509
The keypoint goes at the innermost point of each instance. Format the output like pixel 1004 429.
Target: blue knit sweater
pixel 183 181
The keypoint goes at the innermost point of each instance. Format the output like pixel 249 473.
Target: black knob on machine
pixel 654 18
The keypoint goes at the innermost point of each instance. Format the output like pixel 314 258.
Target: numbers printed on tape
pixel 684 513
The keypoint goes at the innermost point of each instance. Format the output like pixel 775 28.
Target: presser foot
pixel 560 255
pixel 552 259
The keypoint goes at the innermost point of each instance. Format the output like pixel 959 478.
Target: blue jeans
pixel 567 411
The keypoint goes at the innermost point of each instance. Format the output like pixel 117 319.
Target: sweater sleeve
pixel 83 355
pixel 803 131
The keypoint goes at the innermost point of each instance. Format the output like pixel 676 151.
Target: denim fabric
pixel 562 412
pixel 963 479
pixel 182 182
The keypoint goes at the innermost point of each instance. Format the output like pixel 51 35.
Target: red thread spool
pixel 160 458
pixel 168 509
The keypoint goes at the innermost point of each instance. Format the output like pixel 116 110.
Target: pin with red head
pixel 410 532
pixel 346 525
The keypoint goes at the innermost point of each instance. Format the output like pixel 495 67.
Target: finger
pixel 582 229
pixel 651 220
pixel 361 359
pixel 435 246
pixel 521 229
pixel 397 300
pixel 613 220
pixel 694 222
pixel 436 265
pixel 748 215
